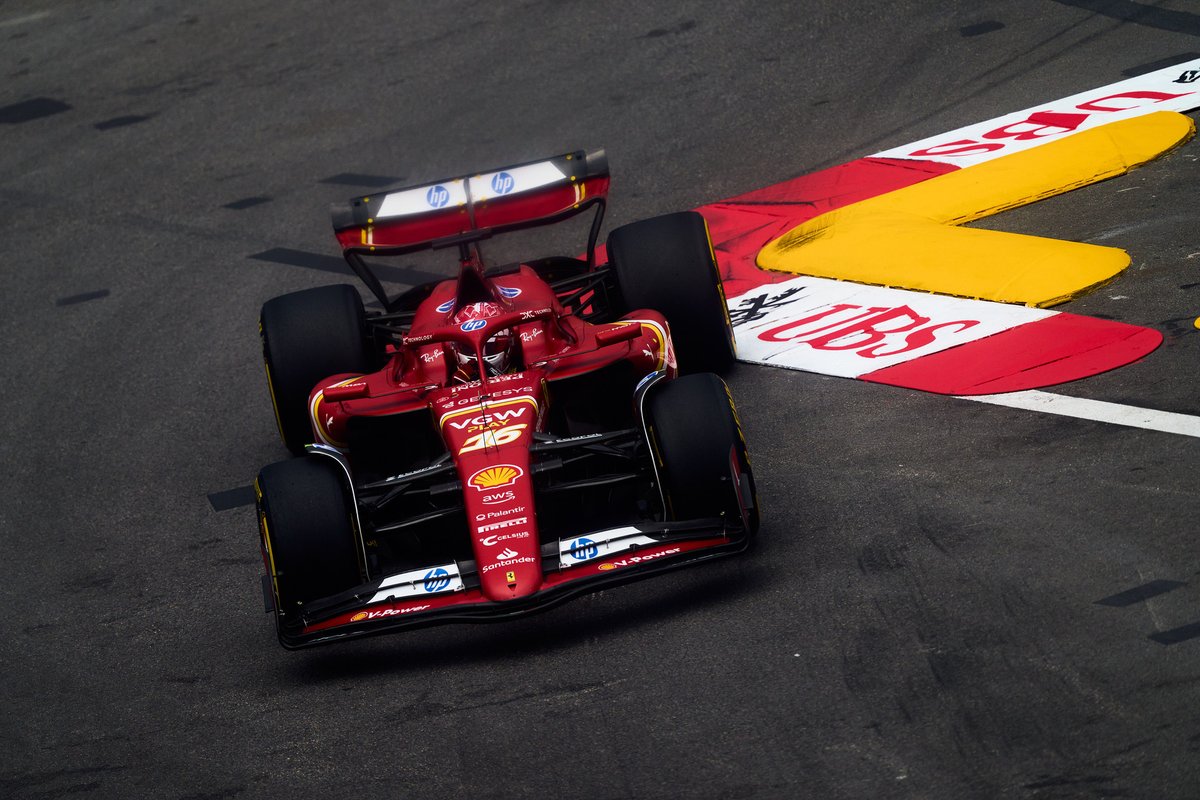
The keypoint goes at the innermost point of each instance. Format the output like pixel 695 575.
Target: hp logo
pixel 502 183
pixel 436 580
pixel 437 196
pixel 583 548
pixel 474 325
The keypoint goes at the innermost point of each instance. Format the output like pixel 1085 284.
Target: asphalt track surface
pixel 948 599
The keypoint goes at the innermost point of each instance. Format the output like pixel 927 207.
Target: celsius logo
pixel 502 183
pixel 508 292
pixel 495 539
pixel 436 579
pixel 583 548
pixel 437 196
pixel 473 325
pixel 446 306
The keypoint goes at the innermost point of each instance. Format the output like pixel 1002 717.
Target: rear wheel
pixel 704 466
pixel 308 336
pixel 667 264
pixel 308 534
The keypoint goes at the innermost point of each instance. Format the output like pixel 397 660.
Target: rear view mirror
pixel 349 391
pixel 624 333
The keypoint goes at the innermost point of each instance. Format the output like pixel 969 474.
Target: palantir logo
pixel 437 196
pixel 437 579
pixel 583 549
pixel 502 183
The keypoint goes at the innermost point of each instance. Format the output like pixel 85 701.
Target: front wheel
pixel 705 467
pixel 667 264
pixel 309 540
pixel 306 337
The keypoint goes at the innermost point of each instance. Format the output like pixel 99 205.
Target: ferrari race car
pixel 495 443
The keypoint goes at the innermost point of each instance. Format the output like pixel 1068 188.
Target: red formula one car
pixel 495 443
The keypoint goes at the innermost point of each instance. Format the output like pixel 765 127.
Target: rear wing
pixel 472 207
pixel 463 210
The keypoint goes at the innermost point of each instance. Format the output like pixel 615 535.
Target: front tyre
pixel 306 337
pixel 308 536
pixel 704 465
pixel 666 263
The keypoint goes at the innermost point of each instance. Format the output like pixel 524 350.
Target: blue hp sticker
pixel 510 293
pixel 502 183
pixel 436 580
pixel 583 548
pixel 474 325
pixel 437 196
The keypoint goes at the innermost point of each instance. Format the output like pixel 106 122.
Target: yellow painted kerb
pixel 907 238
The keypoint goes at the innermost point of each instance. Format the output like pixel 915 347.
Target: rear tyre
pixel 308 336
pixel 309 541
pixel 667 264
pixel 701 450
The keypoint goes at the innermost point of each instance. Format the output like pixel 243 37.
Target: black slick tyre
pixel 704 466
pixel 667 264
pixel 308 536
pixel 308 336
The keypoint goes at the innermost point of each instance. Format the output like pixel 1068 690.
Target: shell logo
pixel 494 477
pixel 359 617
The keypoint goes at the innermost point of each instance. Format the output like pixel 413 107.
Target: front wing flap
pixel 445 593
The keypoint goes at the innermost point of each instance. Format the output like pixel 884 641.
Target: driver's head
pixel 497 353
pixel 497 350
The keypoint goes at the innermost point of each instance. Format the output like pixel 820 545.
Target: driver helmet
pixel 496 350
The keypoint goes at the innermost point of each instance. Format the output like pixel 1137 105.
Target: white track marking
pixel 1096 410
pixel 22 20
pixel 1172 88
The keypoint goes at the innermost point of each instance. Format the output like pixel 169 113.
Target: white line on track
pixel 34 17
pixel 1096 410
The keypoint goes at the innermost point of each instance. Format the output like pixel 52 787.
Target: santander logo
pixel 506 553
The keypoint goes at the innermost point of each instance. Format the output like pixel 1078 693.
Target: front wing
pixel 447 593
